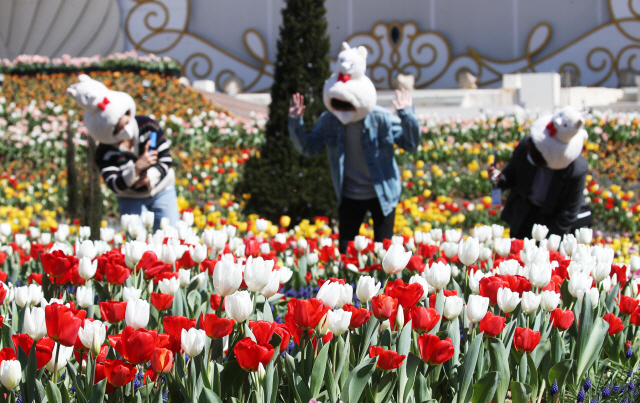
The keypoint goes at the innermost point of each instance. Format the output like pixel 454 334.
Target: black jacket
pixel 564 201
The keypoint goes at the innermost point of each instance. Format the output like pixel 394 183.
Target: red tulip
pixel 615 323
pixel 162 360
pixel 283 332
pixel 44 348
pixel 35 277
pixel 359 316
pixel 173 325
pixel 57 264
pixel 492 324
pixel 208 265
pixel 250 354
pixel 562 319
pixel 116 274
pixel 447 293
pixel 627 305
pixel 7 354
pixel 526 339
pixel 216 328
pixel 135 346
pixel 252 248
pixel 215 301
pixel 307 313
pixel 185 262
pixel 63 323
pixel 406 294
pixel 160 301
pixel 422 319
pixel 1 321
pixel 489 287
pixel 151 266
pixel 119 373
pixel 387 359
pixel 262 330
pixel 169 342
pixel 434 351
pixel 112 311
pixel 383 306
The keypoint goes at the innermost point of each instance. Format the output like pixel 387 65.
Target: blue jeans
pixel 164 204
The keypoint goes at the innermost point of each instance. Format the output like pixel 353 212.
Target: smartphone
pixel 153 138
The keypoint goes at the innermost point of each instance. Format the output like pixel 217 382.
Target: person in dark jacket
pixel 133 153
pixel 546 176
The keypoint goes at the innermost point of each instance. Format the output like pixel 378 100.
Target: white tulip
pixel 453 235
pixel 238 306
pixel 34 232
pixel 137 314
pixel 10 373
pixel 510 266
pixel 584 235
pixel 601 271
pixel 497 230
pixel 395 260
pixel 62 233
pixel 400 317
pixel 329 293
pixel 502 246
pixel 262 224
pixel 85 250
pixel 436 234
pixel 273 285
pixel 106 234
pixel 593 294
pixel 35 324
pixel 130 293
pixel 452 307
pixel 416 278
pixel 45 238
pixel 302 244
pixel 474 281
pixel 346 295
pixel 227 276
pixel 257 273
pixel 438 275
pixel 553 243
pixel 568 245
pixel 198 253
pixel 22 296
pixel 92 335
pixel 169 285
pixel 20 239
pixel 550 300
pixel 579 282
pixel 367 288
pixel 450 249
pixel 339 321
pixel 418 236
pixel 84 232
pixel 468 251
pixel 634 263
pixel 483 233
pixel 384 325
pixel 540 274
pixel 133 252
pixel 168 254
pixel 86 268
pixel 84 297
pixel 285 274
pixel 507 300
pixel 312 258
pixel 539 232
pixel 361 243
pixel 485 254
pixel 5 229
pixel 265 249
pixel 184 277
pixel 64 354
pixel 192 341
pixel 147 218
pixel 530 302
pixel 477 307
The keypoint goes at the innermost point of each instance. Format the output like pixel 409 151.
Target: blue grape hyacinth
pixel 554 388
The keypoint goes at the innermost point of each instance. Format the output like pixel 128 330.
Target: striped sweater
pixel 117 165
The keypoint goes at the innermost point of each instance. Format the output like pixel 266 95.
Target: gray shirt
pixel 358 183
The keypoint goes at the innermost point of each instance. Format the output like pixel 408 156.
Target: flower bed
pixel 272 315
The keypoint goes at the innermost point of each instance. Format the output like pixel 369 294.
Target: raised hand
pixel 296 106
pixel 146 160
pixel 403 99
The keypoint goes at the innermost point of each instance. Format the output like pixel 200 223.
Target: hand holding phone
pixel 153 138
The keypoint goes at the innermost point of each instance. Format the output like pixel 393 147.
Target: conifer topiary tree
pixel 281 181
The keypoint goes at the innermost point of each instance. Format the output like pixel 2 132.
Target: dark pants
pixel 351 213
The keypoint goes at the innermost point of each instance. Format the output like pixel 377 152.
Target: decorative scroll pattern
pixel 597 57
pixel 151 28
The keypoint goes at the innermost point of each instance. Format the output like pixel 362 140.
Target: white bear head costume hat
pixel 103 109
pixel 349 94
pixel 559 137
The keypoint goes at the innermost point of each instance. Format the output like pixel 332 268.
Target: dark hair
pixel 536 156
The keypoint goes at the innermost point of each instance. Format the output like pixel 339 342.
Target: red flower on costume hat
pixel 344 77
pixel 103 105
pixel 552 129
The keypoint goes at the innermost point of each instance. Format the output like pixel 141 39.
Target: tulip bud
pixel 262 373
pixel 35 324
pixel 106 234
pixel 507 300
pixel 238 306
pixel 5 229
pixel 477 307
pixel 285 274
pixel 227 276
pixel 10 373
pixel 502 246
pixel 530 302
pixel 497 231
pixel 438 275
pixel 540 274
pixel 584 235
pixel 45 238
pixel 539 232
pixel 147 218
pixel 192 341
pixel 22 296
pixel 312 258
pixel 323 326
pixel 399 318
pixel 137 314
pixel 361 242
pixel 84 297
pixel 339 321
pixel 367 288
pixel 634 263
pixel 550 300
pixel 384 325
pixel 436 234
pixel 198 253
pixel 346 295
pixel 452 307
pixel 92 335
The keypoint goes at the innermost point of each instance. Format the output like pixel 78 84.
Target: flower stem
pixel 55 364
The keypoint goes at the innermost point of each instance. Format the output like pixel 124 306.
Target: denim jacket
pixel 381 130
